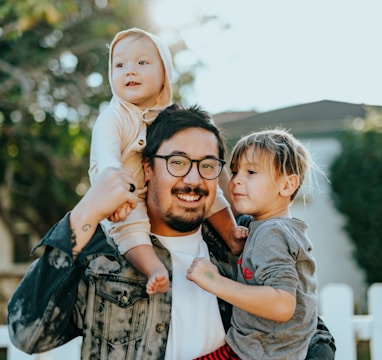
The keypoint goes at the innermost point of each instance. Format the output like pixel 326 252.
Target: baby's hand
pixel 121 213
pixel 238 236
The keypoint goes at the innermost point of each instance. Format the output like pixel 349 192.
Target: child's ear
pixel 290 185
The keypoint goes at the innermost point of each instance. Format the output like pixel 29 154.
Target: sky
pixel 267 54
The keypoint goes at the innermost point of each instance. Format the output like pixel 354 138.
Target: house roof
pixel 316 119
pixel 225 117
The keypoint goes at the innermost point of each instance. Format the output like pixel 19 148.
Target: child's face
pixel 137 73
pixel 253 189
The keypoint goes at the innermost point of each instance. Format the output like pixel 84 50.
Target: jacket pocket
pixel 120 310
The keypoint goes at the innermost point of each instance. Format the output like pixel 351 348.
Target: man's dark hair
pixel 174 119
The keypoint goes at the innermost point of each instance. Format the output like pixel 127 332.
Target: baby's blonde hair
pixel 279 150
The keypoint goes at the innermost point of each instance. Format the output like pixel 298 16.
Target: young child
pixel 140 74
pixel 275 296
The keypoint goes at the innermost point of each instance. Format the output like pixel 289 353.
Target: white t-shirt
pixel 196 327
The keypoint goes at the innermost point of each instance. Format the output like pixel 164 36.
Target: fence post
pixel 337 309
pixel 375 310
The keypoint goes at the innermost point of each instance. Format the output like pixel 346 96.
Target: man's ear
pixel 146 169
pixel 289 185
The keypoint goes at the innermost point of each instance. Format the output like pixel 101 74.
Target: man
pixel 81 286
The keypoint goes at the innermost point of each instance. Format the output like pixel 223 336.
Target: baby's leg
pixel 145 260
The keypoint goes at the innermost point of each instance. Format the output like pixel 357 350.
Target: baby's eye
pixel 119 65
pixel 142 62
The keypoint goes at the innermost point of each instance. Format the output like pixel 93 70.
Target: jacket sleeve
pixel 42 310
pixel 322 345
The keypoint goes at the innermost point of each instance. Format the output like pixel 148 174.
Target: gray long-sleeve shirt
pixel 277 253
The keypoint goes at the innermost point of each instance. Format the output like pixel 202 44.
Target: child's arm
pixel 264 301
pixel 106 141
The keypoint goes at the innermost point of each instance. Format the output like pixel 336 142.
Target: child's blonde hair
pixel 279 150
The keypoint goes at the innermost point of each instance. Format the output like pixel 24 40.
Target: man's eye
pixel 209 165
pixel 177 162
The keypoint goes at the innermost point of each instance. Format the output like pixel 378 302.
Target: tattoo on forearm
pixel 73 238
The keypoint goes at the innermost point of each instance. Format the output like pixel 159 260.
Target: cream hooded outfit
pixel 118 139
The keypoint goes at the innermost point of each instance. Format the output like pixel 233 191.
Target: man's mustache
pixel 189 190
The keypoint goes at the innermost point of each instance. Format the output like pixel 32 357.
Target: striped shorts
pixel 223 353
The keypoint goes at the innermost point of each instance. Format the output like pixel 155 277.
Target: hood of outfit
pixel 165 98
pixel 119 134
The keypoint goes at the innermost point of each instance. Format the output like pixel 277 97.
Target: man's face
pixel 177 205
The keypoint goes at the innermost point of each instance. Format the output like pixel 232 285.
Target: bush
pixel 356 176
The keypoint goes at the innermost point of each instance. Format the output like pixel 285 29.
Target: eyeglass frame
pixel 166 157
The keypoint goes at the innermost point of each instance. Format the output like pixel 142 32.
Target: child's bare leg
pixel 144 259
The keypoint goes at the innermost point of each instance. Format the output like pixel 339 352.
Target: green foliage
pixel 356 176
pixel 47 107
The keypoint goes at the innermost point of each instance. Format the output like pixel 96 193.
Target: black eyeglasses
pixel 209 168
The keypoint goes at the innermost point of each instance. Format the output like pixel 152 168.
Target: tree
pixel 356 176
pixel 53 78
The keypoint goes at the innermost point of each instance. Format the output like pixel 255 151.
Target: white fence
pixel 337 308
pixel 337 305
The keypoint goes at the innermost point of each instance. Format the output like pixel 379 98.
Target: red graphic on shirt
pixel 246 271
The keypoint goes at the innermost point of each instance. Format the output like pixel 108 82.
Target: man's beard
pixel 185 223
pixel 190 219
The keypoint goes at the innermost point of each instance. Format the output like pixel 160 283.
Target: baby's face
pixel 137 71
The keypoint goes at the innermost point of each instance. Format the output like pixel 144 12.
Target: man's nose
pixel 193 177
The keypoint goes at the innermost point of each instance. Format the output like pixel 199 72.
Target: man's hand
pixel 110 191
pixel 124 210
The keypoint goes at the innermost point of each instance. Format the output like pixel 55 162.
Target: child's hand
pixel 238 236
pixel 203 273
pixel 121 213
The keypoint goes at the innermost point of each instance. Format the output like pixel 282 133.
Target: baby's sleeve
pixel 219 204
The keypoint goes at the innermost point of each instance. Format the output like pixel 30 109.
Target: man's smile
pixel 189 194
pixel 188 197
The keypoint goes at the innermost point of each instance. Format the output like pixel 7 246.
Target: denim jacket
pixel 99 296
pixel 102 298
